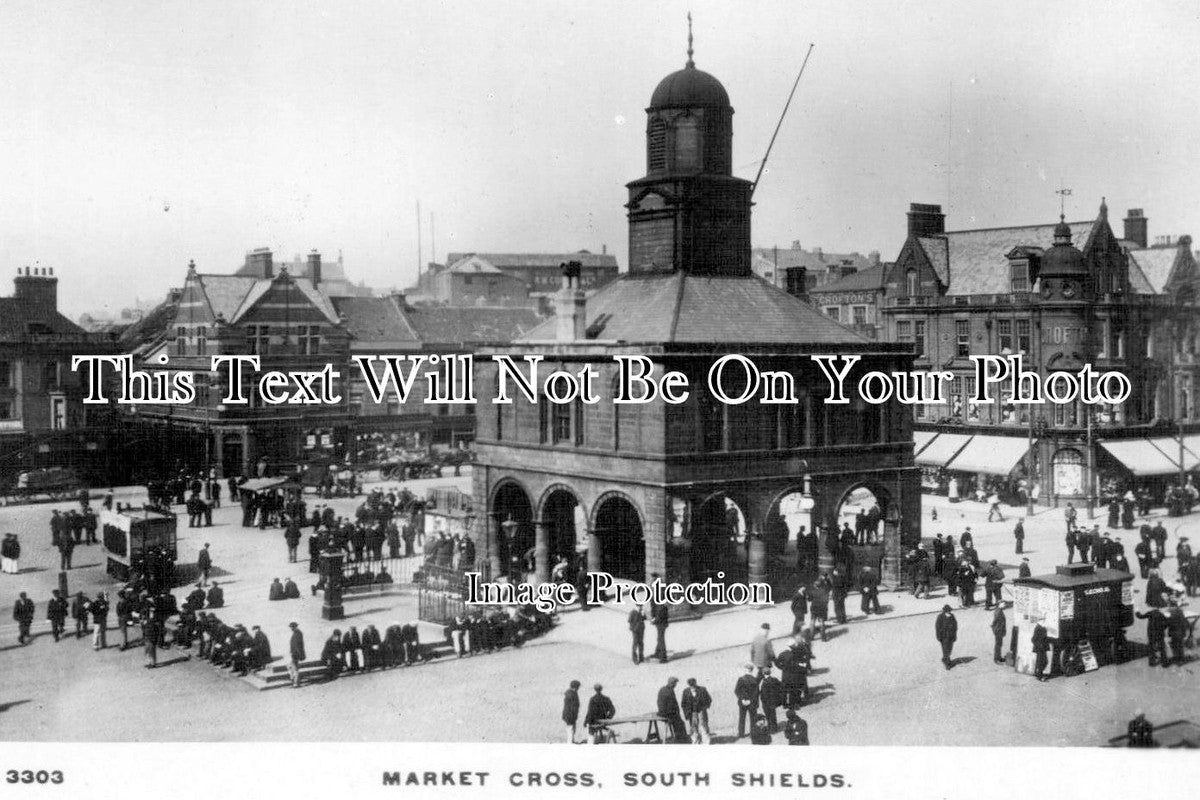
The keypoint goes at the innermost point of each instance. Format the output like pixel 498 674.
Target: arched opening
pixel 862 511
pixel 719 541
pixel 560 512
pixel 622 548
pixel 1068 472
pixel 513 515
pixel 789 523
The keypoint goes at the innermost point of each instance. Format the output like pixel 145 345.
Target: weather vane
pixel 690 62
pixel 1063 194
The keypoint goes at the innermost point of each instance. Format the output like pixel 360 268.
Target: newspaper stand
pixel 130 536
pixel 1085 611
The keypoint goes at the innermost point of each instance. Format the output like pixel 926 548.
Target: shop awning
pixel 1141 457
pixel 945 447
pixel 992 455
pixel 1192 445
pixel 921 440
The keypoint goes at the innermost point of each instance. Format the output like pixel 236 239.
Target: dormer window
pixel 1019 274
pixel 911 282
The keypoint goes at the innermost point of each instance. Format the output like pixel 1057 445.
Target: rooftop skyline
pixel 142 136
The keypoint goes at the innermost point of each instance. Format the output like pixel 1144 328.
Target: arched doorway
pixel 513 515
pixel 560 511
pixel 1068 472
pixel 622 548
pixel 789 522
pixel 719 541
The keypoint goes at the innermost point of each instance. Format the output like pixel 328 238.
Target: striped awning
pixel 942 449
pixel 1142 456
pixel 921 440
pixel 991 455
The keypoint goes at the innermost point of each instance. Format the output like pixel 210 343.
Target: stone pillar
pixel 757 557
pixel 595 557
pixel 218 452
pixel 892 572
pixel 246 460
pixel 331 571
pixel 541 552
pixel 492 537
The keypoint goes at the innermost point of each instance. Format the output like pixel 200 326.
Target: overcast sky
pixel 137 136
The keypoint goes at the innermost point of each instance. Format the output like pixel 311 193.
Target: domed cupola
pixel 689 213
pixel 689 123
pixel 1064 272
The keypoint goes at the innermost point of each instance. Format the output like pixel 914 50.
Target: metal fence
pixel 441 596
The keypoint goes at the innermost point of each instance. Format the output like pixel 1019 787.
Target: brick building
pixel 699 488
pixel 43 421
pixel 1062 295
pixel 537 272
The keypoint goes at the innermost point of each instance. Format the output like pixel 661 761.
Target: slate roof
pixel 936 250
pixel 678 307
pixel 231 296
pixel 815 261
pixel 17 315
pixel 451 325
pixel 864 280
pixel 473 265
pixel 543 260
pixel 977 258
pixel 1156 264
pixel 152 327
pixel 374 320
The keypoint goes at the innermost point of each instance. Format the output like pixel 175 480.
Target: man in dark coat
pixel 1072 541
pixel 1156 636
pixel 868 579
pixel 260 649
pixel 290 590
pixel 839 588
pixel 296 654
pixel 599 711
pixel 79 613
pixel 1023 570
pixel 799 610
pixel 637 633
pixel 746 691
pixel 965 578
pixel 66 546
pixel 993 579
pixel 1159 537
pixel 793 665
pixel 668 709
pixel 770 695
pixel 1041 648
pixel 216 596
pixel 946 630
pixel 98 608
pixel 23 613
pixel 331 654
pixel 1142 550
pixel 939 554
pixel 570 710
pixel 1177 631
pixel 1019 535
pixel 999 628
pixel 204 564
pixel 56 611
pixel 352 649
pixel 276 590
pixel 1156 590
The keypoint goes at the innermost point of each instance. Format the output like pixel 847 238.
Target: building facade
pixel 1060 296
pixel 698 489
pixel 43 421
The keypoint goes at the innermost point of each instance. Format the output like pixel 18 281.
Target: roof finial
pixel 690 62
pixel 1063 194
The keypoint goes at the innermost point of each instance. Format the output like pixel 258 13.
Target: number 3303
pixel 29 776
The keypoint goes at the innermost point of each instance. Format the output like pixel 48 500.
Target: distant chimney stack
pixel 570 305
pixel 925 220
pixel 37 288
pixel 603 249
pixel 259 263
pixel 314 267
pixel 874 256
pixel 796 244
pixel 1137 227
pixel 796 282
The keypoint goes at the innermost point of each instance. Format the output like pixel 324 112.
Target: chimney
pixel 314 267
pixel 258 263
pixel 570 305
pixel 1137 227
pixel 797 282
pixel 874 256
pixel 925 220
pixel 795 244
pixel 603 249
pixel 36 289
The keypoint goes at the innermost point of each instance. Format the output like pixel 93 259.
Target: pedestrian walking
pixel 771 696
pixel 637 634
pixel 695 704
pixel 204 564
pixel 296 654
pixel 1019 535
pixel 23 613
pixel 570 710
pixel 762 653
pixel 946 630
pixel 99 609
pixel 56 612
pixel 999 629
pixel 994 507
pixel 79 613
pixel 1041 648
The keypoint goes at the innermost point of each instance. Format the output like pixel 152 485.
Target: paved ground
pixel 878 680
